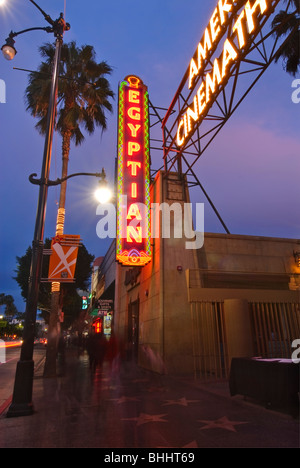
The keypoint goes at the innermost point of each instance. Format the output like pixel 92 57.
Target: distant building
pixel 94 280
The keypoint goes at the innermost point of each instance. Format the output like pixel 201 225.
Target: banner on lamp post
pixel 64 251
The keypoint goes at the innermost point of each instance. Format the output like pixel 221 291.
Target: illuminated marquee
pixel 241 20
pixel 133 246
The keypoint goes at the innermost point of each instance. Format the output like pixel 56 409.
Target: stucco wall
pixel 227 267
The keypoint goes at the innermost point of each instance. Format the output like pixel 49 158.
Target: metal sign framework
pixel 262 47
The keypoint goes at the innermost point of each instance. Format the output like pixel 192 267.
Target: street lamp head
pixel 8 49
pixel 103 194
pixel 8 52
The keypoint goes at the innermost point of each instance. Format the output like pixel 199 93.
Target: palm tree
pixel 83 97
pixel 287 23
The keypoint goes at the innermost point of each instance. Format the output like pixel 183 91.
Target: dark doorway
pixel 133 329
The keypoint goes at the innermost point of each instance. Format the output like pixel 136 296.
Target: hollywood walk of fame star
pixel 144 418
pixel 124 399
pixel 181 402
pixel 223 423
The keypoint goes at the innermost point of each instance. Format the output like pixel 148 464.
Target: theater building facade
pixel 191 310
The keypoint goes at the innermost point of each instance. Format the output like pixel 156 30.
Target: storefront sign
pixel 131 276
pixel 241 21
pixel 105 304
pixel 133 204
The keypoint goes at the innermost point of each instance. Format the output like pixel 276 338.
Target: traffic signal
pixel 98 325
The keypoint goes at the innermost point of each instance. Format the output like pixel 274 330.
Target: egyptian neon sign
pixel 133 245
pixel 240 21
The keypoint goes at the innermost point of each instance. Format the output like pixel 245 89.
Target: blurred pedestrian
pixel 96 348
pixel 61 355
pixel 113 354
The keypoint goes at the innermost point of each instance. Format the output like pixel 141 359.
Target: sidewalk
pixel 6 386
pixel 134 408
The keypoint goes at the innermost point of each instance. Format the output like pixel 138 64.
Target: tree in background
pixel 22 275
pixel 71 300
pixel 7 327
pixel 10 308
pixel 287 25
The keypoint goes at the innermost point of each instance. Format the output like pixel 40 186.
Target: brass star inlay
pixel 222 423
pixel 144 418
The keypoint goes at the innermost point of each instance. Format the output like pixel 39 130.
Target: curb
pixel 5 405
pixel 8 401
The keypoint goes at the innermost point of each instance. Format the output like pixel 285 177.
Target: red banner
pixel 63 258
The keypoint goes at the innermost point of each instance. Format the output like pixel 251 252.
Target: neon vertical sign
pixel 133 246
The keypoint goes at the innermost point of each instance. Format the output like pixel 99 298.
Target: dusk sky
pixel 250 171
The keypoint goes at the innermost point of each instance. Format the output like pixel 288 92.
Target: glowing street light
pixel 8 49
pixel 103 194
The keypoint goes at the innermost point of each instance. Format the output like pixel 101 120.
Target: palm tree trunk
pixel 54 323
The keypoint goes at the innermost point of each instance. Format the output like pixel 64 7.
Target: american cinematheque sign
pixel 133 246
pixel 232 28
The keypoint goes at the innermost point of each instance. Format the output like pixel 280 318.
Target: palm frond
pixel 286 25
pixel 84 92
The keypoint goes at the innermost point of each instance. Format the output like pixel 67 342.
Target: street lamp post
pixel 22 395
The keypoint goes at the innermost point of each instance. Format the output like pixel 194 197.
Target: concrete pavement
pixel 132 408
